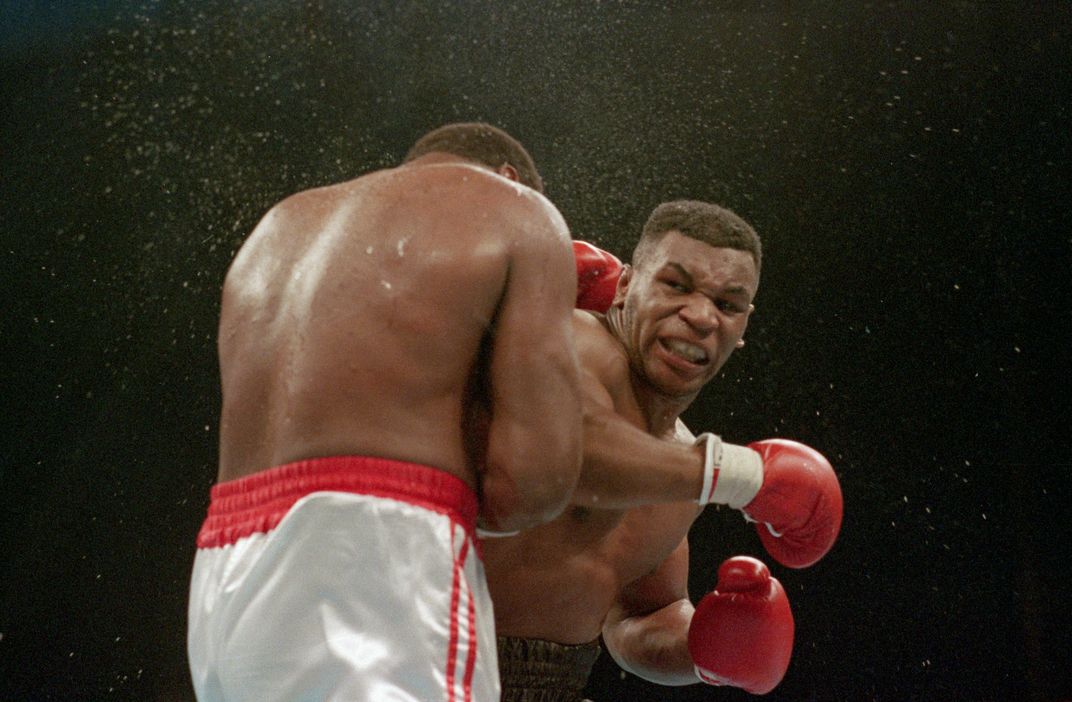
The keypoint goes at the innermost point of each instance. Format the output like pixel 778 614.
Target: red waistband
pixel 257 503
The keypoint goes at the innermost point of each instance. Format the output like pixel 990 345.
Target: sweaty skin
pixel 379 316
pixel 616 561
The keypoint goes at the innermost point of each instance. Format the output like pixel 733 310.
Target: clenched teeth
pixel 690 352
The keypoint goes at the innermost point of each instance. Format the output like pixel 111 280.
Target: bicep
pixel 533 350
pixel 647 628
pixel 533 451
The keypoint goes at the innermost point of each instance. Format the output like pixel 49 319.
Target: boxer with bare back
pixel 397 363
pixel 615 563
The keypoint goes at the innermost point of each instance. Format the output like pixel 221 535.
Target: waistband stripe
pixel 258 502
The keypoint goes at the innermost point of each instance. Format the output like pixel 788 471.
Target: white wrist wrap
pixel 740 473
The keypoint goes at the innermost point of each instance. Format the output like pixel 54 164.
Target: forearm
pixel 626 467
pixel 654 646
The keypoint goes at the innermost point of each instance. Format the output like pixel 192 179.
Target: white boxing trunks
pixel 341 578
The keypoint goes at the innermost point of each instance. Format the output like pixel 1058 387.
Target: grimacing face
pixel 685 309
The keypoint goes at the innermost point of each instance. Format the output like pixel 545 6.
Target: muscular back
pixel 356 318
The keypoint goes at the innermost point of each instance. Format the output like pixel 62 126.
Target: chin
pixel 672 386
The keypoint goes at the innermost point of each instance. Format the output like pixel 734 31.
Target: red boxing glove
pixel 799 504
pixel 597 276
pixel 788 487
pixel 742 632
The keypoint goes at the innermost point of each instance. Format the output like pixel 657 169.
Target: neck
pixel 661 411
pixel 436 157
pixel 615 317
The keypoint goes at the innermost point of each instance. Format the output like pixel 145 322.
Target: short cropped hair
pixel 702 221
pixel 482 143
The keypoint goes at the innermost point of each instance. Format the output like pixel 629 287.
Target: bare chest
pixel 633 543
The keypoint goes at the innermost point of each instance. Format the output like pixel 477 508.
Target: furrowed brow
pixel 732 290
pixel 681 270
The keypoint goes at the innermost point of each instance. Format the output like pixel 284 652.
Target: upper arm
pixel 534 438
pixel 533 361
pixel 646 631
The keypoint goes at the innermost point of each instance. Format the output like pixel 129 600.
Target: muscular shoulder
pixel 598 350
pixel 312 200
pixel 527 205
pixel 477 180
pixel 602 357
pixel 481 199
pixel 282 225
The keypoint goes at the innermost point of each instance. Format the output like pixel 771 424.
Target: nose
pixel 700 313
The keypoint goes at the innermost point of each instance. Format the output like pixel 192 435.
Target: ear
pixel 508 171
pixel 622 287
pixel 751 309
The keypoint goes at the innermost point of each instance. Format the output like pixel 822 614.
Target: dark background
pixel 905 164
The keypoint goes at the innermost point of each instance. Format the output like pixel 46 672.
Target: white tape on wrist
pixel 739 468
pixel 712 459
